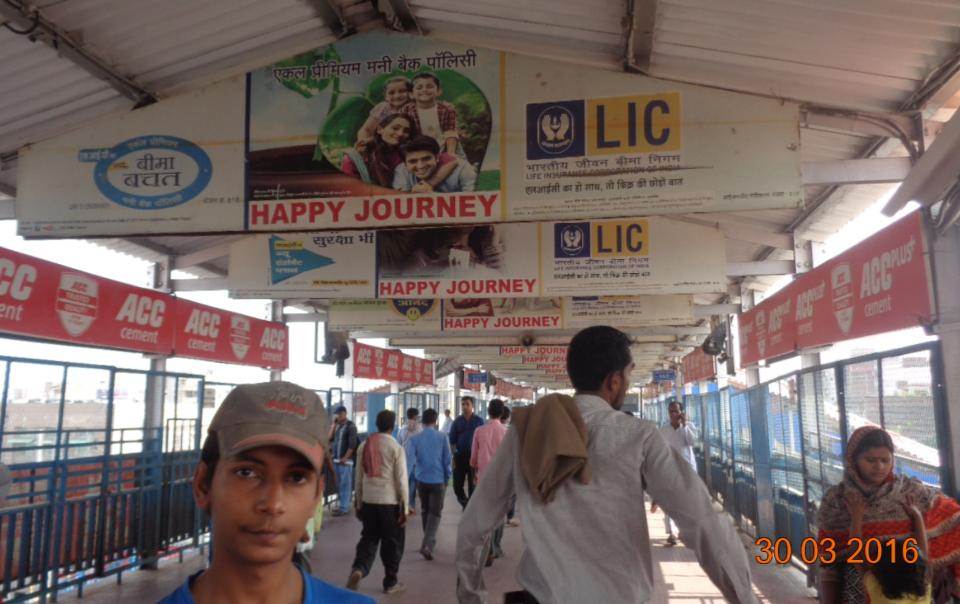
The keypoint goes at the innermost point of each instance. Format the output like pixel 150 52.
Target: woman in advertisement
pixel 446 251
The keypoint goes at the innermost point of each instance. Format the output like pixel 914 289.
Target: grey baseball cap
pixel 272 413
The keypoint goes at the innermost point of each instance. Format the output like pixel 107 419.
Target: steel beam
pixel 7 209
pixel 855 171
pixel 762 267
pixel 203 255
pixel 332 17
pixel 703 311
pixel 305 317
pixel 866 124
pixel 934 172
pixel 641 22
pixel 400 14
pixel 23 17
pixel 198 285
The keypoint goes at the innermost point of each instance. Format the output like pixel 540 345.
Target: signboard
pixel 513 391
pixel 499 314
pixel 627 311
pixel 474 377
pixel 639 255
pixel 664 375
pixel 330 264
pixel 399 315
pixel 172 167
pixel 881 284
pixel 698 366
pixel 44 300
pixel 327 138
pixel 375 363
pixel 212 334
pixel 599 258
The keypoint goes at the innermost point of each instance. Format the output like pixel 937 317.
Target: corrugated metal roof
pixel 858 54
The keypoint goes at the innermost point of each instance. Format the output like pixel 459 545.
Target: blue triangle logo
pixel 288 259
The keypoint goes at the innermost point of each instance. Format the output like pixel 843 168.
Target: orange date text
pixel 827 551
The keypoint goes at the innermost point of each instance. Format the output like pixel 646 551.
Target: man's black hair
pixel 595 353
pixel 421 143
pixel 413 413
pixel 386 420
pixel 472 400
pixel 495 409
pixel 427 74
pixel 678 403
pixel 429 417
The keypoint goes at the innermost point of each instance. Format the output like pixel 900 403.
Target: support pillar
pixel 946 264
pixel 803 260
pixel 748 301
pixel 276 314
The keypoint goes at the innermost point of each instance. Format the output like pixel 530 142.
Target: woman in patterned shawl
pixel 869 473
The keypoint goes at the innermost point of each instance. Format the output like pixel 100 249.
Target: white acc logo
pixel 555 129
pixel 571 240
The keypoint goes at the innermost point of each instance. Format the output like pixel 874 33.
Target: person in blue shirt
pixel 430 452
pixel 259 481
pixel 461 439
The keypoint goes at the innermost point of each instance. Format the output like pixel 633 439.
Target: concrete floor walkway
pixel 678 576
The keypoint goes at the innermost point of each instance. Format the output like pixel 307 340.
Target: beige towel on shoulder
pixel 553 444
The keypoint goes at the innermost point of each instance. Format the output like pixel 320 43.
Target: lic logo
pixel 555 130
pixel 571 239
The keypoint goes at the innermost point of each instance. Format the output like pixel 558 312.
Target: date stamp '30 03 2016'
pixel 827 551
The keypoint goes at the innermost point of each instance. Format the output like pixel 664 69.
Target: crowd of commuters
pixel 573 468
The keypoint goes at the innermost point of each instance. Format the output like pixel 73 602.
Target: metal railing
pixel 770 452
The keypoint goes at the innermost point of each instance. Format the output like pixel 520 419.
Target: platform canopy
pixel 871 82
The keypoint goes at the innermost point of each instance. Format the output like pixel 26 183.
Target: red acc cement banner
pixel 882 284
pixel 212 334
pixel 698 366
pixel 375 363
pixel 41 299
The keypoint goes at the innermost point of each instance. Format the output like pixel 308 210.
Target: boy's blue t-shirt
pixel 315 591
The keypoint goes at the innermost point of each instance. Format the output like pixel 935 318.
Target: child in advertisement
pixel 431 116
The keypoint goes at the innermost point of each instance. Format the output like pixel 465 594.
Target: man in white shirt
pixel 587 543
pixel 682 436
pixel 447 422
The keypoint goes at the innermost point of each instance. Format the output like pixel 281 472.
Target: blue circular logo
pixel 153 172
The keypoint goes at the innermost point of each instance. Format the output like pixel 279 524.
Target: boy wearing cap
pixel 259 481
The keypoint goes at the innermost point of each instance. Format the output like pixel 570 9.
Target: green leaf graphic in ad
pixel 339 132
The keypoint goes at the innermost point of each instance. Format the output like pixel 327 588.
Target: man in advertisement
pixel 421 160
pixel 343 435
pixel 461 439
pixel 682 436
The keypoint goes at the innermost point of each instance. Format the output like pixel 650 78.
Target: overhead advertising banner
pixel 320 265
pixel 374 363
pixel 384 129
pixel 458 262
pixel 498 314
pixel 173 167
pixel 513 391
pixel 698 366
pixel 664 375
pixel 598 143
pixel 627 311
pixel 44 300
pixel 882 284
pixel 375 130
pixel 212 334
pixel 600 258
pixel 639 255
pixel 386 316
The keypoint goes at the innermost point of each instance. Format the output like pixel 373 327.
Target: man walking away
pixel 682 436
pixel 381 504
pixel 403 437
pixel 344 439
pixel 461 439
pixel 486 441
pixel 430 455
pixel 578 466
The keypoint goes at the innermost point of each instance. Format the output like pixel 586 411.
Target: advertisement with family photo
pixel 499 314
pixel 459 262
pixel 375 131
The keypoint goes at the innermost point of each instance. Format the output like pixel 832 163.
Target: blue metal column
pixel 763 477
